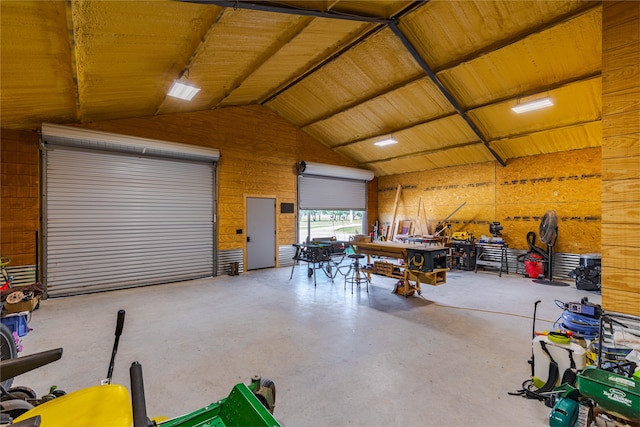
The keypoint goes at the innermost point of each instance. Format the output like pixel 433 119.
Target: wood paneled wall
pixel 259 151
pixel 19 200
pixel 621 156
pixel 517 196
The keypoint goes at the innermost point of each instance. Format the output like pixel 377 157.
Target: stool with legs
pixel 359 275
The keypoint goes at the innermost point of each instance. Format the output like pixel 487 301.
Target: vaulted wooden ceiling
pixel 440 77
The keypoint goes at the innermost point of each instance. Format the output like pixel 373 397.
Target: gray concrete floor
pixel 446 358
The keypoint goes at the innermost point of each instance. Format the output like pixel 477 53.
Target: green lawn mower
pixel 112 405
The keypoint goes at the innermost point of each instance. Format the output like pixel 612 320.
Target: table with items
pixel 323 255
pixel 419 263
pixel 493 255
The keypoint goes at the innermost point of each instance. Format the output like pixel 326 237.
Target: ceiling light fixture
pixel 181 89
pixel 384 142
pixel 536 104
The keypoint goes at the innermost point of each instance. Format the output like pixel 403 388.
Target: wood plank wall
pixel 19 200
pixel 621 156
pixel 517 196
pixel 259 151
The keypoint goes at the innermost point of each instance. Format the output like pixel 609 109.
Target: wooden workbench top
pixel 391 249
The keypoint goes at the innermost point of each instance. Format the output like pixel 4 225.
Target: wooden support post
pixel 392 229
pixel 419 220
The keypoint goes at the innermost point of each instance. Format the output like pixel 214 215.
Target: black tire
pixel 22 392
pixel 15 407
pixel 58 393
pixel 8 349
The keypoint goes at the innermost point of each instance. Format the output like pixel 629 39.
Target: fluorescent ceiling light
pixel 385 142
pixel 183 91
pixel 536 104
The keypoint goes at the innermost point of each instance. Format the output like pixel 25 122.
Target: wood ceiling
pixel 439 76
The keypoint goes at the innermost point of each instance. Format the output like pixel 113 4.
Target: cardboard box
pixel 19 307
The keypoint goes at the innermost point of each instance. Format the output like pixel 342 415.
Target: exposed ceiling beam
pixel 285 38
pixel 185 68
pixel 421 153
pixel 360 101
pixel 291 10
pixel 456 105
pixel 392 131
pixel 540 89
pixel 74 59
pixel 545 130
pixel 517 37
pixel 335 55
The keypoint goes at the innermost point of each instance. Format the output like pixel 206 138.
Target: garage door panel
pixel 116 220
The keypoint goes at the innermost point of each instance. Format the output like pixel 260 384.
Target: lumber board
pixel 617 15
pixel 620 160
pixel 621 146
pixel 620 191
pixel 391 230
pixel 621 168
pixel 621 124
pixel 620 301
pixel 626 212
pixel 623 100
pixel 625 257
pixel 621 235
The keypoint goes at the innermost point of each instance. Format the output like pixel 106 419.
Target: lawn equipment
pixel 555 362
pixel 110 404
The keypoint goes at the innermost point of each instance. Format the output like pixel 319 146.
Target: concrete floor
pixel 446 358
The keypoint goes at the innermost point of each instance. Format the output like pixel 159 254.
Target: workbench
pixel 420 263
pixel 493 255
pixel 428 240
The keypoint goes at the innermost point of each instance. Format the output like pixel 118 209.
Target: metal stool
pixel 358 275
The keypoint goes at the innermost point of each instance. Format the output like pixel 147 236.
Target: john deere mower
pixel 111 405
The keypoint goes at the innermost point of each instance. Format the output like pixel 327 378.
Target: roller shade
pixel 329 187
pixel 315 192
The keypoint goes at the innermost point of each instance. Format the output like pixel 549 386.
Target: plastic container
pixel 614 393
pixel 16 323
pixel 560 353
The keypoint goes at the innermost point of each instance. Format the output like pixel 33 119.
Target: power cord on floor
pixel 494 312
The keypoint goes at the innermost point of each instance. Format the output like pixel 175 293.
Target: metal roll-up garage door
pixel 322 186
pixel 315 192
pixel 117 217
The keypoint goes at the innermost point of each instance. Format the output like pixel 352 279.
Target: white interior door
pixel 261 233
